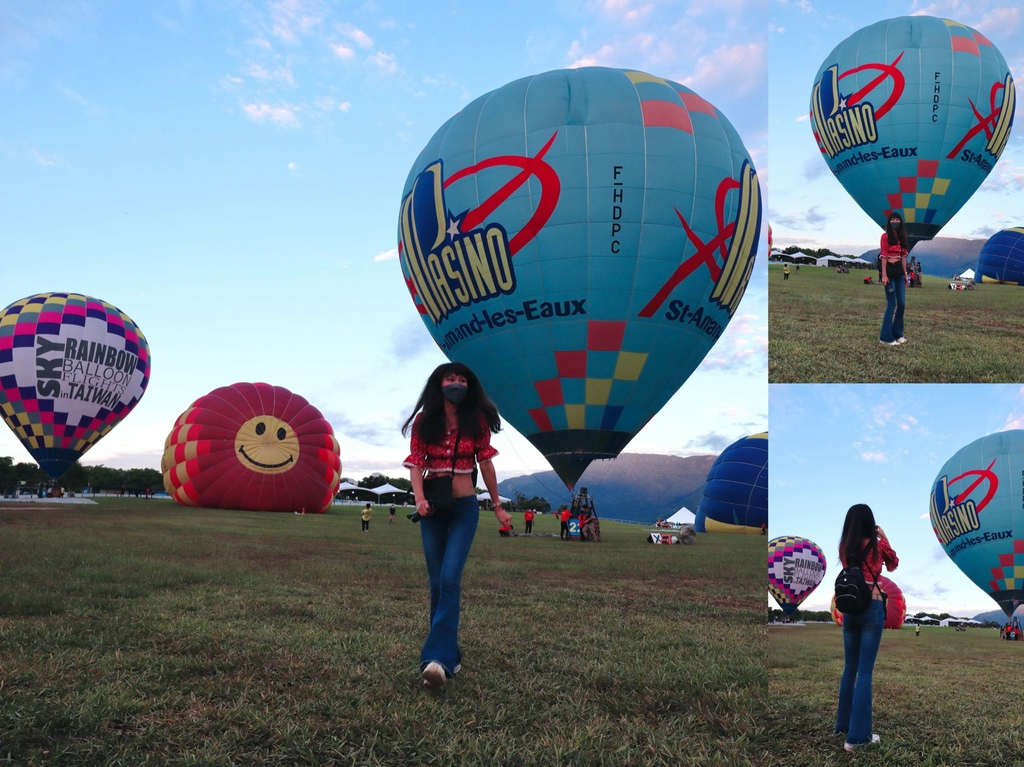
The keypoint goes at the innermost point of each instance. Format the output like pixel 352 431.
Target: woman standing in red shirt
pixel 893 255
pixel 862 543
pixel 451 427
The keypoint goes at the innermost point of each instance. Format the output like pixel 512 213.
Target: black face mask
pixel 454 393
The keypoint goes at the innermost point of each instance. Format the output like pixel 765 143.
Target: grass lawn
pixel 944 698
pixel 823 328
pixel 138 632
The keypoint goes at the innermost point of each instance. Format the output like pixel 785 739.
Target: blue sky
pixel 834 445
pixel 228 173
pixel 807 204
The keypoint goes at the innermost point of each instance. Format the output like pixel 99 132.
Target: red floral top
pixel 873 567
pixel 439 457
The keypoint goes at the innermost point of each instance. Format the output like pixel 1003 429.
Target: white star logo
pixel 842 102
pixel 453 229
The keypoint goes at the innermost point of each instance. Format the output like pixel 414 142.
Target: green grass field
pixel 944 698
pixel 138 632
pixel 823 327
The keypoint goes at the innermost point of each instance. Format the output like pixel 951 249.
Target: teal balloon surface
pixel 911 114
pixel 581 239
pixel 977 513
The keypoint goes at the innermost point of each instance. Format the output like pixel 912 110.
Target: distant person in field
pixel 893 259
pixel 528 520
pixel 863 543
pixel 563 530
pixel 391 515
pixel 365 516
pixel 785 272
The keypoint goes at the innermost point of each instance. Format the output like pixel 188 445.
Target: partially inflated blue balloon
pixel 581 239
pixel 911 114
pixel 1002 258
pixel 735 497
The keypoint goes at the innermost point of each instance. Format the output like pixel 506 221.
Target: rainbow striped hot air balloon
pixel 71 368
pixel 735 498
pixel 795 568
pixel 911 114
pixel 581 239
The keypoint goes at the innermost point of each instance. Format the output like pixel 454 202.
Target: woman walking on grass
pixel 865 544
pixel 451 427
pixel 893 258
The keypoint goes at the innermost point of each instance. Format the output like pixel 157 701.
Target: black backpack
pixel 853 595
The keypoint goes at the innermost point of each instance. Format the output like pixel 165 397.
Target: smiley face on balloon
pixel 252 446
pixel 267 444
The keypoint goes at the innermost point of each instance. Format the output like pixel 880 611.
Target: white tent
pixel 967 275
pixel 485 496
pixel 682 517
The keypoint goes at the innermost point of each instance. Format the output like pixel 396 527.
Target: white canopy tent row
pixel 386 489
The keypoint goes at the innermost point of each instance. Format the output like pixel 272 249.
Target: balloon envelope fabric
pixel 735 498
pixel 580 238
pixel 255 447
pixel 895 605
pixel 911 114
pixel 978 517
pixel 1002 258
pixel 71 368
pixel 795 568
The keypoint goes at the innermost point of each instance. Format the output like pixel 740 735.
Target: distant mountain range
pixel 635 487
pixel 998 616
pixel 942 257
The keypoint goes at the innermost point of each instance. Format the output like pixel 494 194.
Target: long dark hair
pixel 475 407
pixel 859 524
pixel 899 234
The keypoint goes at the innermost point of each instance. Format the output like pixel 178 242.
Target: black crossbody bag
pixel 437 490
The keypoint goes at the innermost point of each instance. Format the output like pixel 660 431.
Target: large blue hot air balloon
pixel 581 239
pixel 977 513
pixel 911 114
pixel 1002 258
pixel 735 498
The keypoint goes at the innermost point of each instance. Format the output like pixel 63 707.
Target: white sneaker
pixel 901 340
pixel 433 675
pixel 851 746
pixel 888 343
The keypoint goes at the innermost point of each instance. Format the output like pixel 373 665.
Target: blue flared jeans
pixel 895 304
pixel 862 634
pixel 447 538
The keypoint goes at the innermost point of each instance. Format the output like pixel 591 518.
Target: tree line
pixel 28 477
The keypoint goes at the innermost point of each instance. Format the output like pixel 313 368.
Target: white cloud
pixel 290 19
pixel 342 51
pixel 873 457
pixel 385 61
pixel 292 167
pixel 356 35
pixel 262 112
pixel 46 162
pixel 738 69
pixel 387 255
pixel 345 106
